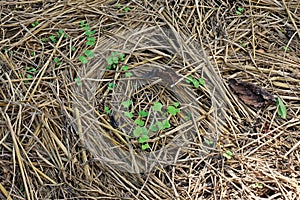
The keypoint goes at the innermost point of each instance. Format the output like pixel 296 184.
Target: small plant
pixel 281 109
pixel 30 71
pixel 34 24
pixel 228 154
pixel 57 61
pixel 107 110
pixel 43 39
pixel 285 48
pixel 111 86
pixel 195 82
pixel 113 61
pixel 78 81
pixel 89 53
pixel 83 59
pixel 60 33
pixel 240 10
pixel 127 9
pixel 53 38
pixel 243 44
pixel 32 53
pixel 157 106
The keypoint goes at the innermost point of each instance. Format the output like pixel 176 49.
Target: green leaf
pixel 172 110
pixel 90 41
pixel 189 79
pixel 111 86
pixel 139 122
pixel 109 60
pixel 81 23
pixel 128 74
pixel 154 128
pixel 281 108
pixel 122 56
pixel 201 81
pixel 196 83
pixel 60 32
pixel 228 154
pixel 208 142
pixel 29 76
pixel 145 146
pixel 157 106
pixel 143 139
pixel 127 9
pixel 114 54
pixel 89 33
pixel 166 124
pixel 140 131
pixel 83 59
pixel 159 125
pixel 127 103
pixel 52 38
pixel 73 48
pixel 125 68
pixel 115 60
pixel 43 39
pixel 118 6
pixel 89 53
pixel 34 23
pixel 176 104
pixel 128 114
pixel 57 61
pixel 259 185
pixel 78 81
pixel 107 110
pixel 143 113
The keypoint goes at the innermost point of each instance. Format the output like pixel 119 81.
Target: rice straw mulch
pixel 58 142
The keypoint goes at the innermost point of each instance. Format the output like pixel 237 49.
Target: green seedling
pixel 259 185
pixel 89 53
pixel 90 41
pixel 78 81
pixel 60 33
pixel 140 131
pixel 57 61
pixel 127 9
pixel 128 74
pixel 53 38
pixel 285 48
pixel 125 68
pixel 228 154
pixel 89 33
pixel 73 48
pixel 139 122
pixel 107 110
pixel 118 6
pixel 122 56
pixel 83 59
pixel 145 146
pixel 128 114
pixel 43 39
pixel 30 69
pixel 157 106
pixel 32 53
pixel 196 82
pixel 126 104
pixel 243 44
pixel 281 109
pixel 111 86
pixel 35 24
pixel 113 61
pixel 143 113
pixel 173 110
pixel 240 10
pixel 208 142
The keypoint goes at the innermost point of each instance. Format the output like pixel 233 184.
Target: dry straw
pixel 44 113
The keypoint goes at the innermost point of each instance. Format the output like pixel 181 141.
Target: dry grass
pixel 43 135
